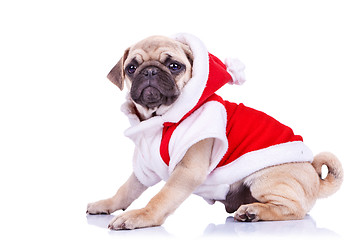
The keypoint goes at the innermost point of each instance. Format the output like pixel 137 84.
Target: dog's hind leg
pixel 283 192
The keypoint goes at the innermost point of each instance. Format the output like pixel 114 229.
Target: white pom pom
pixel 236 69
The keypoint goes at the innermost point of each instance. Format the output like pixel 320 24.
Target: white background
pixel 61 129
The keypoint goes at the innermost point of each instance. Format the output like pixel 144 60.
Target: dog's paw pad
pixel 246 214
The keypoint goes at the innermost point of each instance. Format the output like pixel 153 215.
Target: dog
pixel 199 143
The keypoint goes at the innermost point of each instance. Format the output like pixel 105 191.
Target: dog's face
pixel 155 71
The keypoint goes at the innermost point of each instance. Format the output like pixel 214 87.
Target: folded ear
pixel 117 75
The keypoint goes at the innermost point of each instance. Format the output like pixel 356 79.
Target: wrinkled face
pixel 155 70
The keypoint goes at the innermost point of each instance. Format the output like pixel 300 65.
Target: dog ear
pixel 117 75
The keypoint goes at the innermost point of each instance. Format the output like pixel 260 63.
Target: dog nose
pixel 150 71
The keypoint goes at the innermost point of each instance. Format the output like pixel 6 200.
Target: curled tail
pixel 332 182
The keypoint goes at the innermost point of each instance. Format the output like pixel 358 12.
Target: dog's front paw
pixel 101 207
pixel 134 219
pixel 247 213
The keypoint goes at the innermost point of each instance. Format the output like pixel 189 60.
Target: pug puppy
pixel 166 90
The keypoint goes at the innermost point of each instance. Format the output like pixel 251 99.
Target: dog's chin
pixel 152 102
pixel 150 98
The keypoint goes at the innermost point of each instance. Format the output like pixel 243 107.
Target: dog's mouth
pixel 154 92
pixel 151 97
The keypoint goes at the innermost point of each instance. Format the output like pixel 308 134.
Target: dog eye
pixel 131 69
pixel 174 67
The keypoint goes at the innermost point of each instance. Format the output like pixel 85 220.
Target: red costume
pixel 245 140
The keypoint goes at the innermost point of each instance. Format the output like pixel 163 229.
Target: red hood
pixel 218 78
pixel 208 75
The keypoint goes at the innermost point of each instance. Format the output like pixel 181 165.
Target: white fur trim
pixel 148 127
pixel 143 172
pixel 236 69
pixel 253 161
pixel 213 192
pixel 128 108
pixel 196 128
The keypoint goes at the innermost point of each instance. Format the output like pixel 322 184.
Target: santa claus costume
pixel 245 140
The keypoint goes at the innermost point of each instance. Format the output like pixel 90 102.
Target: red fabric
pixel 168 130
pixel 218 78
pixel 247 129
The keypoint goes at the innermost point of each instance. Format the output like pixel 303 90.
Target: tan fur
pixel 289 191
pixel 285 192
pixel 281 192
